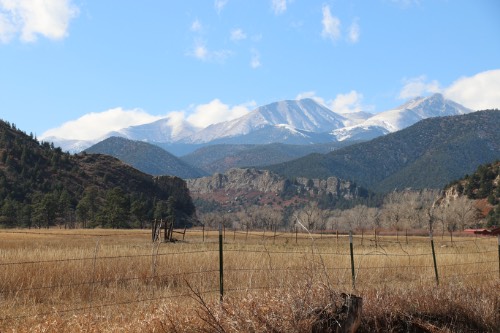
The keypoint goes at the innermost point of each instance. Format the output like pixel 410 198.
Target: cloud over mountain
pixel 95 124
pixel 477 92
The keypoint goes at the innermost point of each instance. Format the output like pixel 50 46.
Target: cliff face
pixel 253 180
pixel 332 185
pixel 238 180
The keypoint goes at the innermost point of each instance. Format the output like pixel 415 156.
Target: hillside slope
pixel 39 185
pixel 220 158
pixel 483 185
pixel 145 157
pixel 429 154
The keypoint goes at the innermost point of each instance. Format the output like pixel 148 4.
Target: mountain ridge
pixel 41 186
pixel 302 121
pixel 145 157
pixel 429 153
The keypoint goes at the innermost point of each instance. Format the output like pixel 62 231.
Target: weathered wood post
pixel 345 319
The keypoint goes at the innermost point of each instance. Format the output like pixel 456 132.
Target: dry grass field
pixel 118 280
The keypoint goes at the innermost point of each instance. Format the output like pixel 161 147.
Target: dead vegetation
pixel 110 280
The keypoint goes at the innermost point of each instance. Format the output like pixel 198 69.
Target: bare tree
pixel 393 210
pixel 461 213
pixel 312 217
pixel 356 217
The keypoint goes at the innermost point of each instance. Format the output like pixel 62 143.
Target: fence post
pixel 274 238
pixel 296 234
pixel 499 256
pixel 434 258
pixel 352 261
pixel 221 265
pixel 153 230
pixel 203 233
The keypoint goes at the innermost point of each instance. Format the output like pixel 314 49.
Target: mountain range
pixel 299 122
pixel 223 149
pixel 428 154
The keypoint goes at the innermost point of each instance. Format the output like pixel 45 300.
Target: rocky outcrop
pixel 238 179
pixel 250 180
pixel 331 185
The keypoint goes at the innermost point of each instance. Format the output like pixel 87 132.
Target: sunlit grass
pixel 118 279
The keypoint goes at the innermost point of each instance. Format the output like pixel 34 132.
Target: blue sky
pixel 80 68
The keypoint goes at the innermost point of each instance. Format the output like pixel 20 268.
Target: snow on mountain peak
pixel 301 121
pixel 405 115
pixel 304 114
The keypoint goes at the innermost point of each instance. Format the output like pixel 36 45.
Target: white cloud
pixel 215 112
pixel 342 103
pixel 331 24
pixel 31 18
pixel 478 92
pixel 201 52
pixel 219 5
pixel 279 6
pixel 418 86
pixel 312 95
pixel 350 102
pixel 354 32
pixel 196 26
pixel 255 60
pixel 237 34
pixel 96 124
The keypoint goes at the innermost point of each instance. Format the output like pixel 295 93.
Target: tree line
pixel 42 186
pixel 400 210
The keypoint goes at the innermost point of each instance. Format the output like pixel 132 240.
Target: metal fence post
pixel 352 260
pixel 434 258
pixel 221 265
pixel 498 255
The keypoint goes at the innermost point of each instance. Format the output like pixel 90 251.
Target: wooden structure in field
pixel 168 229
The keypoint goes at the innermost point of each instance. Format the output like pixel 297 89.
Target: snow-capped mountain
pixel 297 122
pixel 72 146
pixel 165 130
pixel 401 117
pixel 302 115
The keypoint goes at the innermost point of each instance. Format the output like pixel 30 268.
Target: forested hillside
pixel 145 157
pixel 429 154
pixel 483 184
pixel 41 186
pixel 220 158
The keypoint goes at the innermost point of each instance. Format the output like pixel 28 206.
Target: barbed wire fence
pixel 348 263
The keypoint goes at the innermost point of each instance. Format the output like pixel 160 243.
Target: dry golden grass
pixel 118 280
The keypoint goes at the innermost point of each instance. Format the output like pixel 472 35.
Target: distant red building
pixel 485 232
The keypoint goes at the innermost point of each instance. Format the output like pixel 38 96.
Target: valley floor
pixel 119 280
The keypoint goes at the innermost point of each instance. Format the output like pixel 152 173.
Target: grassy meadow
pixel 119 280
